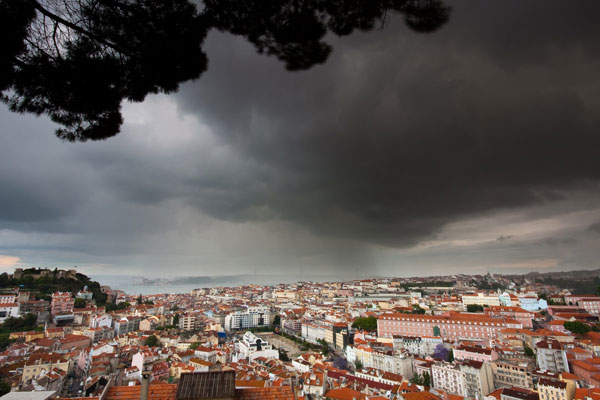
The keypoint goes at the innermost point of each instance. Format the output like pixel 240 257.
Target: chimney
pixel 145 385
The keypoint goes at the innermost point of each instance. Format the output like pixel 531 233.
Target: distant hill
pixel 43 282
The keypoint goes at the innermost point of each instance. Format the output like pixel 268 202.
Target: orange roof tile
pixel 161 391
pixel 270 393
pixel 420 396
pixel 344 394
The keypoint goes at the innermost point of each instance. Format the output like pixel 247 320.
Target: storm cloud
pixel 471 148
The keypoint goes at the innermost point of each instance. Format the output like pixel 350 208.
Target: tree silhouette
pixel 77 60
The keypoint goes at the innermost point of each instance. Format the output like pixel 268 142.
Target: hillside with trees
pixel 50 281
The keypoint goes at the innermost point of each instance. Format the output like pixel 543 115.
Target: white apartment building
pixel 253 317
pixel 393 362
pixel 312 332
pixel 448 377
pixel 481 299
pixel 101 321
pixel 551 356
pixel 8 310
pixel 418 345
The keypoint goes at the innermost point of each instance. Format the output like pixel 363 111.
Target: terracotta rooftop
pixel 160 391
pixel 270 393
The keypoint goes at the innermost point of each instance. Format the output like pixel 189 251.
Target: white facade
pixel 101 321
pixel 253 317
pixel 396 363
pixel 251 347
pixel 8 310
pixel 481 299
pixel 313 333
pixel 533 304
pixel 479 380
pixel 551 357
pixel 449 378
pixel 421 346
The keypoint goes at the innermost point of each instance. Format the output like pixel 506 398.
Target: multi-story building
pixel 253 317
pixel 33 306
pixel 42 363
pixel 530 303
pixel 97 334
pixel 484 354
pixel 478 378
pixel 417 345
pixel 448 377
pixel 313 332
pixel 591 305
pixel 8 310
pixel 480 299
pixel 101 321
pixel 550 389
pixel 392 362
pixel 62 303
pixel 551 356
pixel 8 298
pixel 508 374
pixel 127 324
pixel 292 326
pixel 285 295
pixel 450 327
pixel 517 313
pixel 573 300
pixel 190 322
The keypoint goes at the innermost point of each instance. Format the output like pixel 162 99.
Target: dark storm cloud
pixel 399 134
pixel 398 139
pixel 595 227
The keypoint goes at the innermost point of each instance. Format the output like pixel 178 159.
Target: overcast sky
pixel 472 149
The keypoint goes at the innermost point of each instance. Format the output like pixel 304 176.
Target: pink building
pixel 62 303
pixel 575 299
pixel 483 354
pixel 523 316
pixel 590 305
pixel 450 327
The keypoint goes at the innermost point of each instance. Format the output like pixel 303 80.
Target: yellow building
pixel 43 362
pixel 556 390
pixel 480 299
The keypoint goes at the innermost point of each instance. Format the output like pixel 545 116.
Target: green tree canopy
pixel 78 60
pixel 79 303
pixel 151 341
pixel 416 309
pixel 528 351
pixel 474 308
pixel 366 324
pixel 577 327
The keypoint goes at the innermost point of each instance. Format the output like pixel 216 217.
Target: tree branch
pixel 76 28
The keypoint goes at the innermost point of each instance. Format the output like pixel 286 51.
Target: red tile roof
pixel 161 391
pixel 270 393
